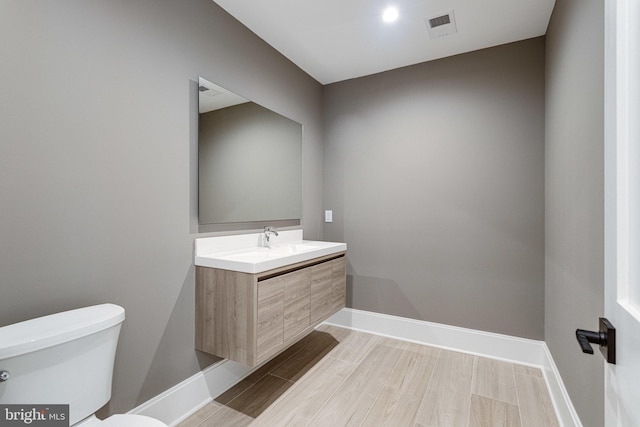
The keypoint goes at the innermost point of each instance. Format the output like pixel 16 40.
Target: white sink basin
pixel 256 259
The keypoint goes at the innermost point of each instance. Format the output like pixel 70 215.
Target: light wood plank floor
pixel 338 377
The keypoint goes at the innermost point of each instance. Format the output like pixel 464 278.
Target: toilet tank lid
pixel 35 334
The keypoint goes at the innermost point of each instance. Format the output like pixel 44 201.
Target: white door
pixel 622 209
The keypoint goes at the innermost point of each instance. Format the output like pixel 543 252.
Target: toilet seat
pixel 130 420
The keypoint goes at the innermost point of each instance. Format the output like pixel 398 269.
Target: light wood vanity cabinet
pixel 252 317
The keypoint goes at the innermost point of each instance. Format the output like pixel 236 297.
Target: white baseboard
pixel 487 344
pixel 182 400
pixel 565 410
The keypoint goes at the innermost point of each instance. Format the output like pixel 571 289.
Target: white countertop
pixel 247 253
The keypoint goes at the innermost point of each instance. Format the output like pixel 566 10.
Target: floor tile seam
pixel 249 388
pixel 409 386
pixel 466 393
pixel 327 358
pixel 547 405
pixel 524 374
pixel 518 397
pixel 332 394
pixel 344 380
pixel 401 397
pixel 494 399
pixel 471 414
pixel 497 399
pixel 202 423
pixel 421 399
pixel 379 391
pixel 391 369
pixel 470 392
pixel 424 395
pixel 316 366
pixel 286 359
pixel 374 399
pixel 537 370
pixel 189 423
pixel 497 373
pixel 514 375
pixel 270 371
pixel 283 396
pixel 351 361
pixel 474 373
pixel 250 382
pixel 498 383
pixel 288 379
pixel 330 397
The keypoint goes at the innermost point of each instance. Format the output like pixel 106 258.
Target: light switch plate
pixel 328 216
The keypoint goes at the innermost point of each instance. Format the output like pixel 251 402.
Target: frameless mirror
pixel 249 161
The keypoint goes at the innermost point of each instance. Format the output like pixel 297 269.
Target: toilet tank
pixel 63 358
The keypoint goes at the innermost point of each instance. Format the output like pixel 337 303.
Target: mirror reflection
pixel 249 160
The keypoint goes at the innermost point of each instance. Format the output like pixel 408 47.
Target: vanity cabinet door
pixel 296 302
pixel 269 331
pixel 338 284
pixel 321 290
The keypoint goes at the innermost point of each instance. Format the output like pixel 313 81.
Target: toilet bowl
pixel 66 358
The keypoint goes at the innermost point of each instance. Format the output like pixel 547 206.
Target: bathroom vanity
pixel 253 301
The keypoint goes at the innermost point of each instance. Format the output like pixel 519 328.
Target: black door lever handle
pixel 587 337
pixel 605 338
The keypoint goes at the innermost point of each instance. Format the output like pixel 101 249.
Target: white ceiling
pixel 213 97
pixel 334 40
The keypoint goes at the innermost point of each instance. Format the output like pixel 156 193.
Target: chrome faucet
pixel 268 231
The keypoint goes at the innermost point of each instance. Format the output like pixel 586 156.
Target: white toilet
pixel 65 358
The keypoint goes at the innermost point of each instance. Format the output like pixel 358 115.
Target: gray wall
pixel 435 175
pixel 97 107
pixel 574 197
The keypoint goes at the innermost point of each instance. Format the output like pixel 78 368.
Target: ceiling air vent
pixel 439 20
pixel 208 91
pixel 441 25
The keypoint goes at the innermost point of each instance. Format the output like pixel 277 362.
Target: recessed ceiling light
pixel 390 14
